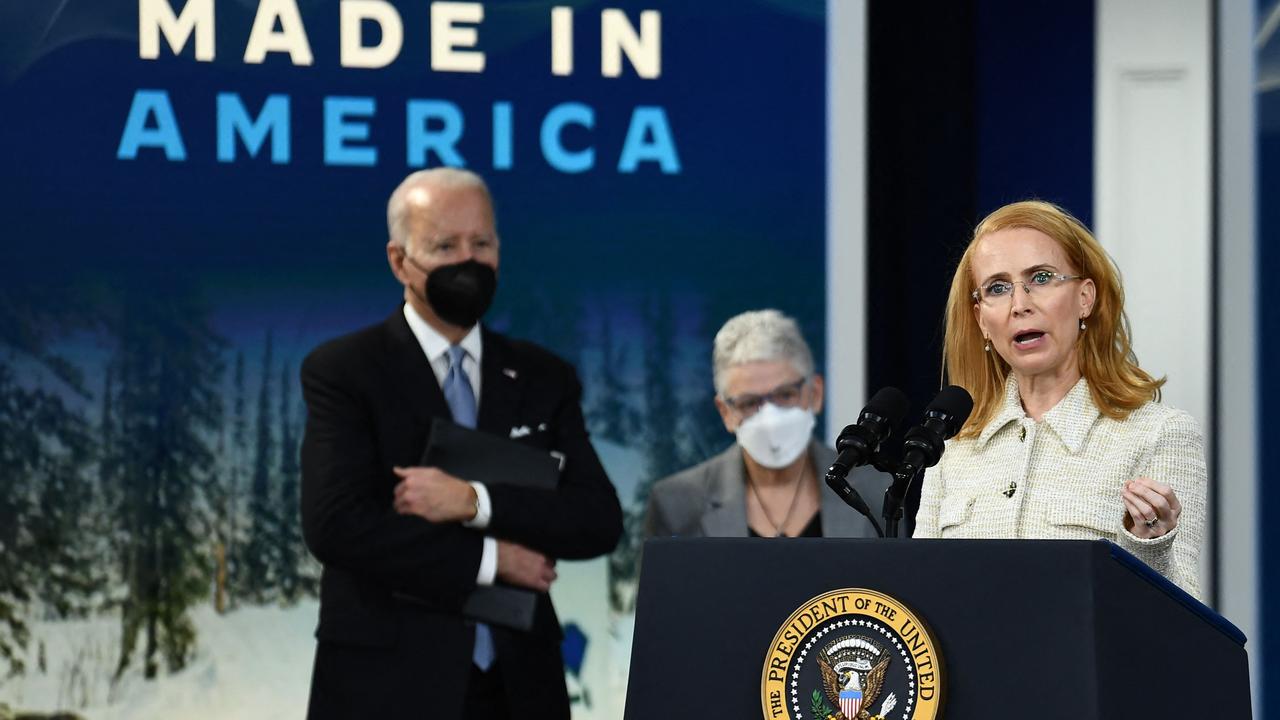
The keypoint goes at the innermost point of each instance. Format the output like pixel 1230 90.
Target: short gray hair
pixel 439 177
pixel 759 336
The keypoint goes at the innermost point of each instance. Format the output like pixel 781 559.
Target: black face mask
pixel 461 293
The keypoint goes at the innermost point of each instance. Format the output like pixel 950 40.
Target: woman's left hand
pixel 1152 508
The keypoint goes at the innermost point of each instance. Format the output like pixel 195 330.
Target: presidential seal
pixel 852 654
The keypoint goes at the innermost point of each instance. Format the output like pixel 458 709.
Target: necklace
pixel 795 495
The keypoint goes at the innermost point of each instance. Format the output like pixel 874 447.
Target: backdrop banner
pixel 194 196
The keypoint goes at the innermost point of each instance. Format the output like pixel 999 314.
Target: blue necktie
pixel 458 391
pixel 462 404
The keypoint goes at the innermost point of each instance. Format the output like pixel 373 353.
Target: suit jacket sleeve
pixel 1177 459
pixel 579 520
pixel 347 516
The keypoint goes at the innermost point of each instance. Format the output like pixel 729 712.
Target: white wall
pixel 846 213
pixel 1152 186
pixel 1155 196
pixel 1237 327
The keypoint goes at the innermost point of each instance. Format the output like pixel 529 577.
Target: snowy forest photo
pixel 153 557
pixel 154 485
pixel 156 305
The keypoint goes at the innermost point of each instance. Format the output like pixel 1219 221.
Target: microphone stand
pixel 896 493
pixel 836 481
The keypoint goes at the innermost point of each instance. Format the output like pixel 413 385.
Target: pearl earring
pixel 1081 324
pixel 987 346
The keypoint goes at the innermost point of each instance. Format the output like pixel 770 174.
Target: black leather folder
pixel 492 460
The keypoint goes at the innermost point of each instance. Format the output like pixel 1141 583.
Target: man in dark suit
pixel 403 546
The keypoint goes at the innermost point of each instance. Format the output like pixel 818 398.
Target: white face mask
pixel 775 436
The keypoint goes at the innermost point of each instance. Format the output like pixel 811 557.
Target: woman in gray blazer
pixel 767 483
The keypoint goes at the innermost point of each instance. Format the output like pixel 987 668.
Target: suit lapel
pixel 726 511
pixel 501 385
pixel 413 373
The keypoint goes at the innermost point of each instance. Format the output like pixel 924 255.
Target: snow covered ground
pixel 255 663
pixel 581 596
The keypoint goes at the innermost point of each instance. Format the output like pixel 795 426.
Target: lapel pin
pixel 509 373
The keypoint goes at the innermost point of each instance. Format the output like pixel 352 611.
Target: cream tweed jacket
pixel 1061 479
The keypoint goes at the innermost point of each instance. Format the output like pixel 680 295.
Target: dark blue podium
pixel 1025 629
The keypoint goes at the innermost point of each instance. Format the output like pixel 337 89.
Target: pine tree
pixel 662 448
pixel 166 409
pixel 61 528
pixel 226 494
pixel 44 449
pixel 237 464
pixel 612 417
pixel 539 310
pixel 704 431
pixel 289 528
pixel 259 557
pixel 309 569
pixel 110 493
pixel 663 452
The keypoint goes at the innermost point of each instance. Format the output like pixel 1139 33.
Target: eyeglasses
pixel 747 404
pixel 999 291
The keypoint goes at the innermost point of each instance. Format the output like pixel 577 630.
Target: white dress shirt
pixel 1061 478
pixel 436 347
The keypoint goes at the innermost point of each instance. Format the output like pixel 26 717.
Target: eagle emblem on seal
pixel 853 671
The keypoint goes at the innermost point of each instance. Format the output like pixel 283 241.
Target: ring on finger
pixel 1152 522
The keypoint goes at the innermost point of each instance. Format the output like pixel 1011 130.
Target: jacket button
pixel 1013 488
pixel 1022 436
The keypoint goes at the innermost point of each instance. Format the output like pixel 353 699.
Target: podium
pixel 1022 629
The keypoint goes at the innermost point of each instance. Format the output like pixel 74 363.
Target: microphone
pixel 923 446
pixel 943 418
pixel 858 443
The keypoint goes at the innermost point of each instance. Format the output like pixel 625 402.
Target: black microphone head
pixel 875 423
pixel 953 404
pixel 891 404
